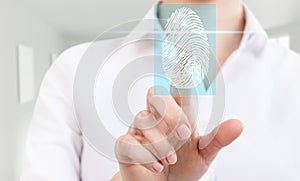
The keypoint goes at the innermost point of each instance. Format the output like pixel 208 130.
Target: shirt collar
pixel 252 24
pixel 252 27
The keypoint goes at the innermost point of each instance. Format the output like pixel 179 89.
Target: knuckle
pixel 141 120
pixel 163 148
pixel 173 116
pixel 142 115
pixel 159 89
pixel 121 148
pixel 122 143
pixel 150 92
pixel 125 139
pixel 144 121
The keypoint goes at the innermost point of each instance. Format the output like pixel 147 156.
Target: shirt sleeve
pixel 54 141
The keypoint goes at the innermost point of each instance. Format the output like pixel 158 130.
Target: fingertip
pixel 183 132
pixel 171 158
pixel 157 167
pixel 235 125
pixel 229 131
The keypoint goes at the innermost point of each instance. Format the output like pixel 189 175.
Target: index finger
pixel 165 109
pixel 187 101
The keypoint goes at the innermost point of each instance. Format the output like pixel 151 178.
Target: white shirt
pixel 262 90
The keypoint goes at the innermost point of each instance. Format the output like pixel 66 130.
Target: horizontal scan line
pixel 164 32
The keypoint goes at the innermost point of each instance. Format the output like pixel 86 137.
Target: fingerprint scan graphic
pixel 185 49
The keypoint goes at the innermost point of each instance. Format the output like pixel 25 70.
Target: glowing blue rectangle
pixel 207 14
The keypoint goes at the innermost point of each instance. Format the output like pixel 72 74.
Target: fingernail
pixel 157 167
pixel 171 158
pixel 183 132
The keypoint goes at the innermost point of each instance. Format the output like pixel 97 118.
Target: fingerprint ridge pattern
pixel 185 49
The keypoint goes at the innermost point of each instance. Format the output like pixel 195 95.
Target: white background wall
pixel 291 29
pixel 18 25
pixel 279 18
pixel 51 26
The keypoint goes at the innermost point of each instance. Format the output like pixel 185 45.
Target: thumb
pixel 224 134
